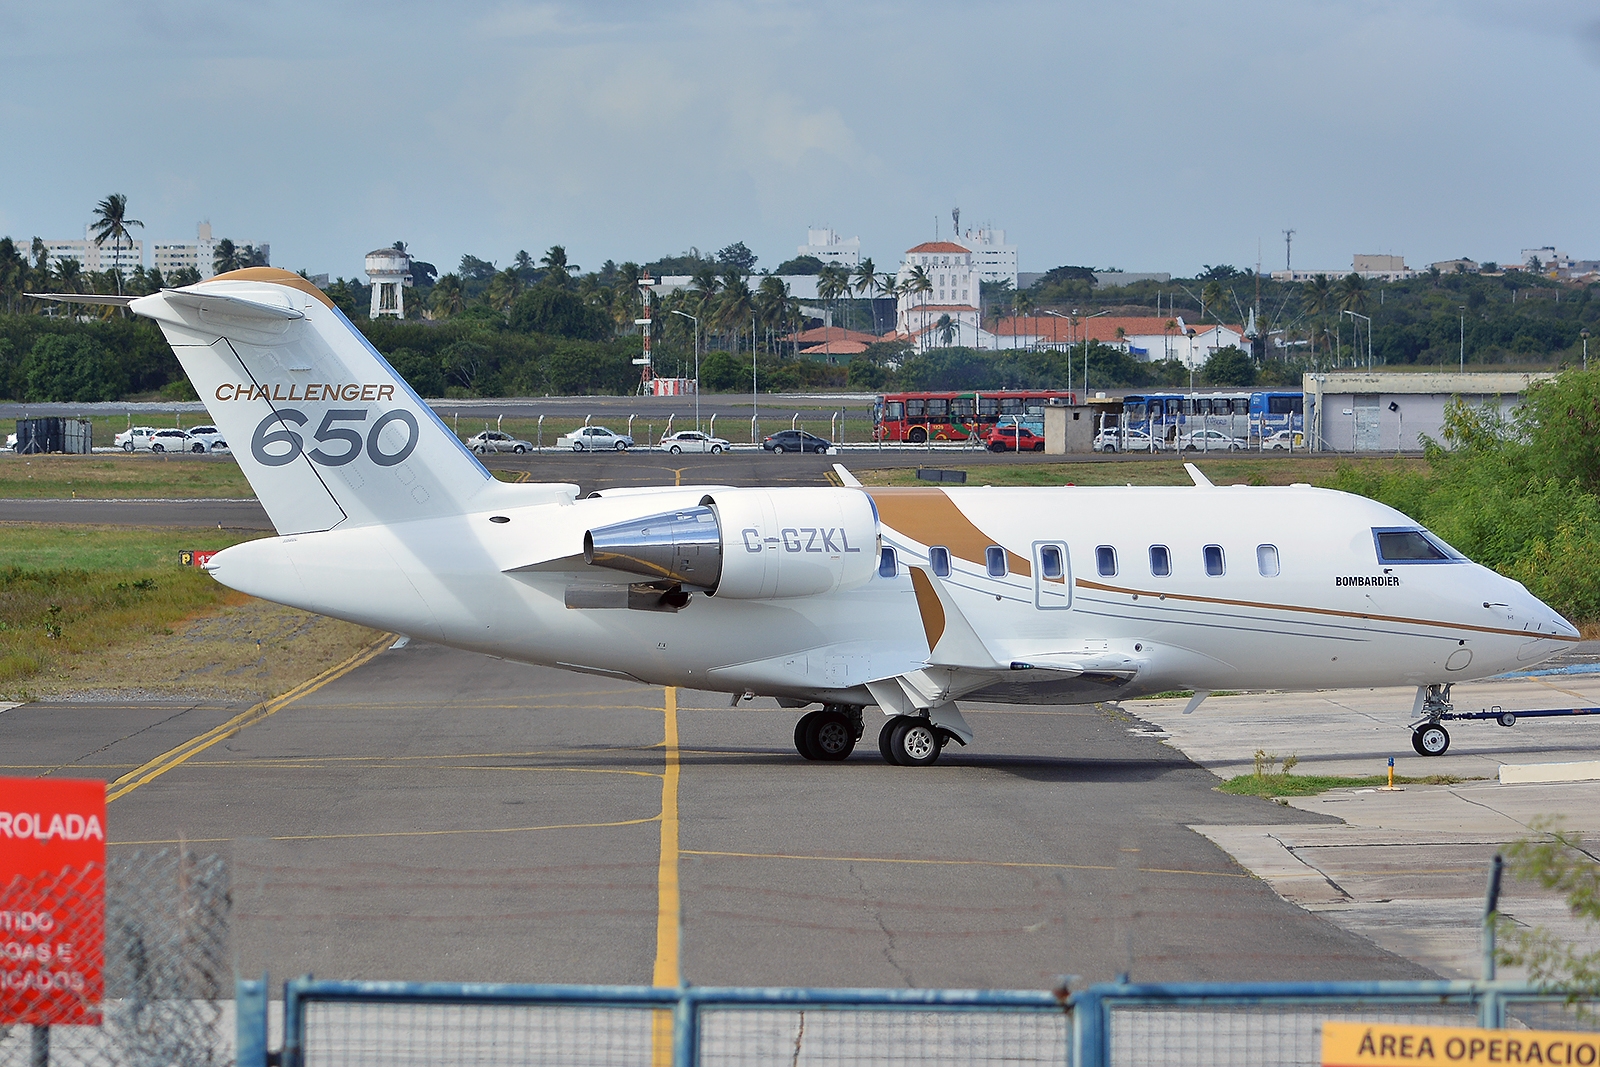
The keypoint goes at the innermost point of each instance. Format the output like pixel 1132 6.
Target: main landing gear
pixel 1427 736
pixel 830 734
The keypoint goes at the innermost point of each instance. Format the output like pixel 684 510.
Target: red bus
pixel 957 416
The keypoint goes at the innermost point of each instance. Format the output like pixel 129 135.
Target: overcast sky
pixel 1140 135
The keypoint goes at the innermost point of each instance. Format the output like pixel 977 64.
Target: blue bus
pixel 1271 412
pixel 1166 416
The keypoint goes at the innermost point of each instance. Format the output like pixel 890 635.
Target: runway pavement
pixel 437 814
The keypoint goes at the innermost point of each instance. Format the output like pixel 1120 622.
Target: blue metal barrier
pixel 1193 1024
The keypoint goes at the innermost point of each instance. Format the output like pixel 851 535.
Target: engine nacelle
pixel 750 544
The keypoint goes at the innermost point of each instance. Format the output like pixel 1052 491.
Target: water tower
pixel 389 271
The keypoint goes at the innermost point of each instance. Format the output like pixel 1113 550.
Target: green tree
pixel 224 257
pixel 504 288
pixel 557 271
pixel 945 330
pixel 111 223
pixel 738 257
pixel 71 367
pixel 721 373
pixel 448 297
pixel 1353 293
pixel 1229 366
pixel 559 313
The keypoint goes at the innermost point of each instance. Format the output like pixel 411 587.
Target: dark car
pixel 1013 439
pixel 794 441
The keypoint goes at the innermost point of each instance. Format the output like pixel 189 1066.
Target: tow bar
pixel 1431 739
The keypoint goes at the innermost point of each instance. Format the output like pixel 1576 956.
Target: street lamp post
pixel 1463 308
pixel 686 315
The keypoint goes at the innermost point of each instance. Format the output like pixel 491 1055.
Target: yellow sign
pixel 1395 1045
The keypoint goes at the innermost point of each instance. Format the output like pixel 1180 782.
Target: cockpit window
pixel 1413 546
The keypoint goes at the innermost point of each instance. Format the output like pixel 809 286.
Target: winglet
pixel 952 640
pixel 1199 479
pixel 846 479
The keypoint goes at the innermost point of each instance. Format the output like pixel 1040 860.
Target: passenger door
pixel 1052 575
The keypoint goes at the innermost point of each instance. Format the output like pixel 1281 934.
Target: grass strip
pixel 65 591
pixel 1305 785
pixel 141 475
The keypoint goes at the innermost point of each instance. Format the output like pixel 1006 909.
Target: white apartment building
pixel 200 254
pixel 1379 268
pixel 827 246
pixel 992 258
pixel 1549 259
pixel 94 258
pixel 953 279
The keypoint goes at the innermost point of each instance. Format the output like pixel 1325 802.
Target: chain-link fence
pixel 167 968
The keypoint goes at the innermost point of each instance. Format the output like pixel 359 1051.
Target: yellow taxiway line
pixel 149 772
pixel 668 907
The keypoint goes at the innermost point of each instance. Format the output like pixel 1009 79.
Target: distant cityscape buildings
pixel 992 259
pixel 166 256
pixel 827 246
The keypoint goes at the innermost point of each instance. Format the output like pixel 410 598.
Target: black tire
pixel 830 735
pixel 777 450
pixel 1431 740
pixel 577 446
pixel 715 449
pixel 886 739
pixel 917 436
pixel 127 446
pixel 675 449
pixel 198 447
pixel 996 446
pixel 802 736
pixel 916 743
pixel 519 450
pixel 158 447
pixel 620 445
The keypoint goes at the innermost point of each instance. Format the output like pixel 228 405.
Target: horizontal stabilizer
pixel 84 298
pixel 236 306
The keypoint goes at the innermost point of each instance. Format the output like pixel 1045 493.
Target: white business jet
pixel 849 597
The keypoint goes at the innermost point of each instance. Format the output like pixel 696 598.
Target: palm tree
pixel 225 257
pixel 734 306
pixel 945 330
pixel 557 270
pixel 1352 293
pixel 1316 296
pixel 112 222
pixel 448 299
pixel 1211 296
pixel 1021 305
pixel 832 283
pixel 866 283
pixel 504 288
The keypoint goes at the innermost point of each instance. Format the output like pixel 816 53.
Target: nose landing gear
pixel 1429 738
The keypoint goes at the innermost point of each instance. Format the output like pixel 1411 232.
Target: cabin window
pixel 1213 554
pixel 1160 561
pixel 1050 563
pixel 995 556
pixel 887 564
pixel 1267 560
pixel 1413 546
pixel 1105 561
pixel 939 560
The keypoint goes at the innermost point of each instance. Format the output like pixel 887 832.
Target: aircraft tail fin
pixel 326 431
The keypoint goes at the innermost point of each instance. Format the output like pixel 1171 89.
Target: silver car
pixel 594 439
pixel 693 441
pixel 495 441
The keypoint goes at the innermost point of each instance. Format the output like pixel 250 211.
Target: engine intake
pixel 750 544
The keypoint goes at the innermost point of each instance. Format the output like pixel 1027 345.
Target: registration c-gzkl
pixel 313 391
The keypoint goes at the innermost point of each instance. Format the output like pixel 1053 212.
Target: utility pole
pixel 1463 338
pixel 1288 249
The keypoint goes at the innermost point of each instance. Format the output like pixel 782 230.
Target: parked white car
pixel 208 436
pixel 1115 440
pixel 495 441
pixel 134 439
pixel 175 441
pixel 594 439
pixel 693 441
pixel 11 441
pixel 1284 439
pixel 1211 441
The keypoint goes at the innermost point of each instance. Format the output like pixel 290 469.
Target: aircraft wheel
pixel 1431 740
pixel 802 735
pixel 830 736
pixel 675 449
pixel 916 743
pixel 886 739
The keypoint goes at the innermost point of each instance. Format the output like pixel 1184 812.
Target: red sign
pixel 194 557
pixel 52 900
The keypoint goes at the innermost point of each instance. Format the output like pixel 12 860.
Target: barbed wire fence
pixel 168 969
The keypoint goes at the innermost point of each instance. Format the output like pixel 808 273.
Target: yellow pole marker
pixel 1402 1045
pixel 149 772
pixel 668 907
